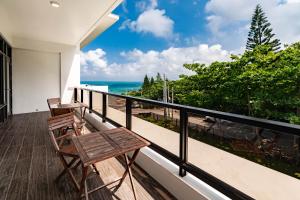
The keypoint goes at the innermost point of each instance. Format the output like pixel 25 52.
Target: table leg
pixel 86 191
pixel 83 186
pixel 96 170
pixel 128 171
pixel 130 176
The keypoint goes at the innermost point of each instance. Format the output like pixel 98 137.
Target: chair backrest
pixel 61 121
pixel 58 123
pixel 52 101
pixel 60 111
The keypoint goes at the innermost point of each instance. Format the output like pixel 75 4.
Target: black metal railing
pixel 182 159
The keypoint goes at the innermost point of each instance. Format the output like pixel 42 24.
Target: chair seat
pixel 69 150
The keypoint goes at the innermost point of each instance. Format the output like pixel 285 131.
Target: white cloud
pixel 293 1
pixel 151 20
pixel 92 58
pixel 229 20
pixel 94 65
pixel 146 5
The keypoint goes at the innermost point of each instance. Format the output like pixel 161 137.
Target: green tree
pixel 261 32
pixel 146 83
pixel 151 81
pixel 158 77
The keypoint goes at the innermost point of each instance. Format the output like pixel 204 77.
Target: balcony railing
pixel 180 158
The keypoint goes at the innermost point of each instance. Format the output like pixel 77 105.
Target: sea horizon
pixel 117 87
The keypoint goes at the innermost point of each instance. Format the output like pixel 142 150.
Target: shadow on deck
pixel 29 165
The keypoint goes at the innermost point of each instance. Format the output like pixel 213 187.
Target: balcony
pixel 29 165
pixel 197 154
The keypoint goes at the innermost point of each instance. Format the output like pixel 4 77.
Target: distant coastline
pixel 117 87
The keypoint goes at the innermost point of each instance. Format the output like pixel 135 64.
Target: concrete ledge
pixel 166 173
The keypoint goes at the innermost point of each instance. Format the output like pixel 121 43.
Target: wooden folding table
pixel 99 146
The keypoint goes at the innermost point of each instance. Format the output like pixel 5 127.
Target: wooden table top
pixel 98 146
pixel 69 105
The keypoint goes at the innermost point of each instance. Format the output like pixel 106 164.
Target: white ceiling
pixel 73 22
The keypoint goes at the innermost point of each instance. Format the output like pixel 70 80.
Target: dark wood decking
pixel 29 165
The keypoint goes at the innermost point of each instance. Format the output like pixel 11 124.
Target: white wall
pixel 68 74
pixel 5 26
pixel 35 78
pixel 70 71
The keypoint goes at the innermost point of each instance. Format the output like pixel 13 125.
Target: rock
pixel 209 119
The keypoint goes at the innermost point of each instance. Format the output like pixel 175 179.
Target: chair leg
pixel 77 165
pixel 65 169
pixel 68 170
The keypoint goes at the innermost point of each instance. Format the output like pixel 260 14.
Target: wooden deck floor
pixel 28 167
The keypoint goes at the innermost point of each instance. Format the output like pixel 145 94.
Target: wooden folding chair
pixel 59 123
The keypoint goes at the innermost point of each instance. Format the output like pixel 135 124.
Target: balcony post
pixel 75 95
pixel 81 96
pixel 104 107
pixel 128 113
pixel 183 141
pixel 90 101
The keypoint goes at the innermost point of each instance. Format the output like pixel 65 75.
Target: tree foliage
pixel 146 83
pixel 261 32
pixel 151 88
pixel 151 81
pixel 260 83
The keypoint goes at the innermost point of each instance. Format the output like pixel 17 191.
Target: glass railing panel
pixel 116 109
pixel 97 102
pixel 78 95
pixel 157 124
pixel 86 97
pixel 238 153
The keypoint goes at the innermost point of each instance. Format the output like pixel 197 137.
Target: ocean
pixel 117 87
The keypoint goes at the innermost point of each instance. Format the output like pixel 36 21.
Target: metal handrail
pixel 258 122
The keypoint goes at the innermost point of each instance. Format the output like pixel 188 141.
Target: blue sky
pixel 160 35
pixel 115 41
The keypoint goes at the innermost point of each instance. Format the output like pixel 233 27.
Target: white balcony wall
pixel 42 70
